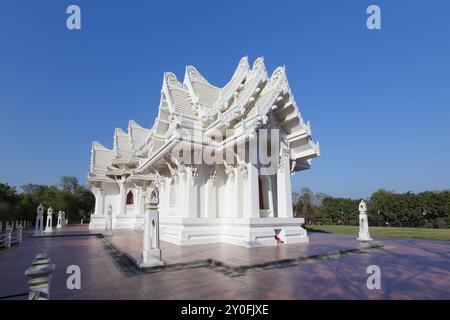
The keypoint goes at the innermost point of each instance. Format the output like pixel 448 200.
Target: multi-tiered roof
pixel 196 110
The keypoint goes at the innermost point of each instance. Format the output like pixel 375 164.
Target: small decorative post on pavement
pixel 151 253
pixel 19 233
pixel 108 225
pixel 39 227
pixel 49 226
pixel 364 234
pixel 8 232
pixel 1 226
pixel 39 275
pixel 59 224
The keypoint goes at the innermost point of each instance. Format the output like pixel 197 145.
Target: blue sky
pixel 378 101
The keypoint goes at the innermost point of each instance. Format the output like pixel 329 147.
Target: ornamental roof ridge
pixel 98 145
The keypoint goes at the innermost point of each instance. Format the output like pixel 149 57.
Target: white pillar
pixel 49 226
pixel 251 192
pixel 121 202
pixel 162 197
pixel 139 201
pixel 191 192
pixel 211 193
pixel 284 186
pixel 59 223
pixel 39 227
pixel 177 186
pixel 270 195
pixel 233 208
pixel 181 195
pixel 99 200
pixel 151 252
pixel 363 234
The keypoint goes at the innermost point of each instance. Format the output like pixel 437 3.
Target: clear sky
pixel 378 101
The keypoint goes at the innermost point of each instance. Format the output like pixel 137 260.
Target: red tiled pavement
pixel 410 269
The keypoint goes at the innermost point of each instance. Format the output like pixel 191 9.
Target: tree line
pixel 429 209
pixel 69 196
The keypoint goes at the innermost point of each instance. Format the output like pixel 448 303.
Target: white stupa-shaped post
pixel 363 234
pixel 39 276
pixel 39 227
pixel 49 226
pixel 151 252
pixel 59 224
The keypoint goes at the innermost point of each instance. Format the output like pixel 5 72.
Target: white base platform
pixel 364 237
pixel 247 232
pixel 118 222
pixel 237 231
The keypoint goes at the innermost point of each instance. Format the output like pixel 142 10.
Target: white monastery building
pixel 220 161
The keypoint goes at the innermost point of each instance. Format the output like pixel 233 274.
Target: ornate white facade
pixel 206 157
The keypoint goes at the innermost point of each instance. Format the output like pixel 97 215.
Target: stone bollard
pixel 59 224
pixel 8 232
pixel 49 226
pixel 39 227
pixel 19 234
pixel 81 222
pixel 1 226
pixel 151 252
pixel 39 275
pixel 363 234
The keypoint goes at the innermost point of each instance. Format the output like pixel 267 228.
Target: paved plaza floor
pixel 330 266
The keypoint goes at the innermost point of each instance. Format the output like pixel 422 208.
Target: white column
pixel 191 193
pixel 177 194
pixel 180 196
pixel 284 186
pixel 211 193
pixel 162 197
pixel 270 194
pixel 121 202
pixel 99 202
pixel 233 207
pixel 99 199
pixel 251 192
pixel 139 201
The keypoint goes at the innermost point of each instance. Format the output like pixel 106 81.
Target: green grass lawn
pixel 421 233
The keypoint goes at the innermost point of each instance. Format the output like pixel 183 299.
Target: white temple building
pixel 219 159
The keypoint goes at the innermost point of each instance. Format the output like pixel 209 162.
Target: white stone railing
pixel 10 236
